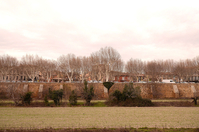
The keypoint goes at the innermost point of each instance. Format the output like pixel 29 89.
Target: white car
pixel 142 82
pixel 168 81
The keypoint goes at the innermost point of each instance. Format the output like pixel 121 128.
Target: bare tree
pixel 8 64
pixel 47 69
pixel 85 67
pixel 167 69
pixel 196 65
pixel 98 72
pixel 189 69
pixel 118 68
pixel 134 67
pixel 31 66
pixel 68 64
pixel 108 57
pixel 154 70
pixel 179 70
pixel 14 92
pixel 16 73
pixel 97 68
pixel 168 65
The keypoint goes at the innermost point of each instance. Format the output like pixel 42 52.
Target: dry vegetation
pixel 105 130
pixel 102 103
pixel 101 117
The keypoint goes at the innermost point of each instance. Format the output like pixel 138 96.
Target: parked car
pixel 168 81
pixel 142 82
pixel 94 81
pixel 90 81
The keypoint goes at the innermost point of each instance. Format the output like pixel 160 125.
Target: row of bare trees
pixel 159 69
pixel 32 67
pixel 102 65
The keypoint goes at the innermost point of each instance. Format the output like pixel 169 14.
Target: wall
pixel 148 90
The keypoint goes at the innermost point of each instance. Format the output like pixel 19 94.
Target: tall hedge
pixel 108 85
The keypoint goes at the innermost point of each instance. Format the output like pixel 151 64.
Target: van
pixel 168 81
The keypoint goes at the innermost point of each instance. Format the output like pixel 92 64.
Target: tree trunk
pixel 195 100
pixel 107 75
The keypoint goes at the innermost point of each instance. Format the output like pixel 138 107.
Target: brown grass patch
pixel 99 117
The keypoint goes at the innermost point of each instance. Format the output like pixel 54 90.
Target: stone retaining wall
pixel 148 90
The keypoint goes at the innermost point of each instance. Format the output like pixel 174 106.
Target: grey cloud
pixel 55 36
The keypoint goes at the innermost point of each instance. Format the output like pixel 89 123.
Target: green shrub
pixel 26 98
pixel 73 98
pixel 140 102
pixel 88 93
pixel 46 100
pixel 129 97
pixel 56 95
pixel 108 85
pixel 129 92
pixel 117 94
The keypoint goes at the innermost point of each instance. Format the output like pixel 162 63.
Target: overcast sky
pixel 145 30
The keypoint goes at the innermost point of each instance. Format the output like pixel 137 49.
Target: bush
pixel 46 100
pixel 129 97
pixel 131 92
pixel 88 93
pixel 27 98
pixel 73 98
pixel 56 95
pixel 140 102
pixel 118 95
